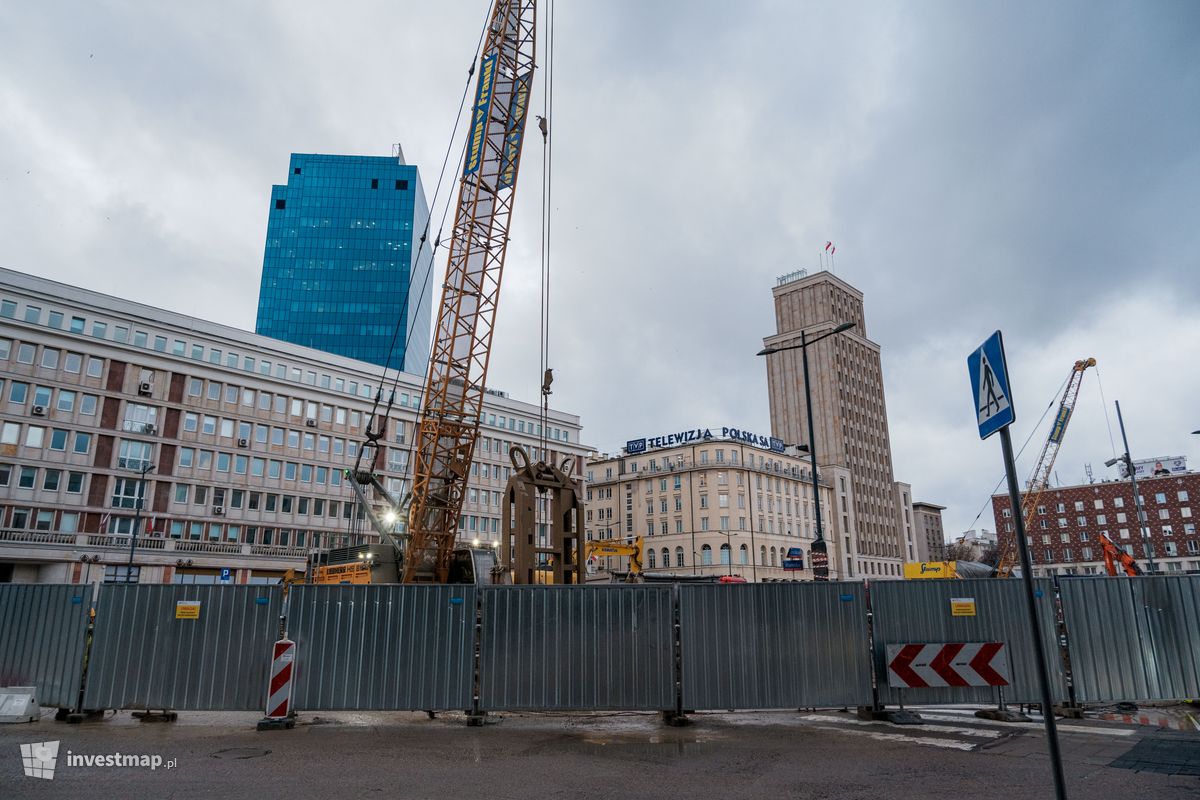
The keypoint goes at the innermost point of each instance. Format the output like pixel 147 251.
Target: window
pixel 1183 496
pixel 27 477
pixel 51 480
pixel 74 483
pixel 66 401
pixel 18 392
pixel 95 368
pixel 126 493
pixel 35 435
pixel 25 353
pixel 49 358
pixel 34 314
pixel 1119 502
pixel 140 418
pixel 134 455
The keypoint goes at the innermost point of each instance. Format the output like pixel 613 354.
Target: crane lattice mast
pixel 448 426
pixel 1045 463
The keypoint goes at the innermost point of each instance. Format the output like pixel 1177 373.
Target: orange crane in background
pixel 448 426
pixel 1045 465
pixel 1114 555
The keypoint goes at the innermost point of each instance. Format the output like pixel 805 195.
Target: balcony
pixel 29 545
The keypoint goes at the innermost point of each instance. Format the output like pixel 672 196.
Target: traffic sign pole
pixel 1039 648
pixel 995 411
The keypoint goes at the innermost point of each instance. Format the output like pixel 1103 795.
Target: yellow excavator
pixel 612 547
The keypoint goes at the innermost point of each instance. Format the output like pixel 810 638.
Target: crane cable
pixel 432 253
pixel 1028 438
pixel 547 174
pixel 1111 442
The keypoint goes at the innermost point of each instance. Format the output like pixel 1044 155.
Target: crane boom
pixel 448 426
pixel 1045 463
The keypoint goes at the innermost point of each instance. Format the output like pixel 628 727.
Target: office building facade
pixel 716 505
pixel 1066 525
pixel 930 535
pixel 343 267
pixel 241 440
pixel 849 410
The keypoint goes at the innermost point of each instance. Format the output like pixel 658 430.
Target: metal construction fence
pixel 1135 639
pixel 570 648
pixel 774 645
pixel 612 647
pixel 391 647
pixel 988 610
pixel 182 647
pixel 43 633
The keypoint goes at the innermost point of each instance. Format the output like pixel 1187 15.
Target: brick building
pixel 1064 536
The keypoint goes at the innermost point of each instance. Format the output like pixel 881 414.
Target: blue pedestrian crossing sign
pixel 989 383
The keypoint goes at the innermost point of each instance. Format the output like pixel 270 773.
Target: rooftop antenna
pixel 1087 468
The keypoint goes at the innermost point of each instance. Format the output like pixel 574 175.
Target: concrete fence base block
pixel 1002 715
pixel 19 704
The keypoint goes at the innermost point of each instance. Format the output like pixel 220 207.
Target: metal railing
pixel 121 542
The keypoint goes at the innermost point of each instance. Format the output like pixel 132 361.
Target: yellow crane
pixel 1045 465
pixel 448 427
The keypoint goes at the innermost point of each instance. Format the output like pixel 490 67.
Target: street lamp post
pixel 137 518
pixel 819 545
pixel 1143 524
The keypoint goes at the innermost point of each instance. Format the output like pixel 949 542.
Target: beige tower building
pixel 850 415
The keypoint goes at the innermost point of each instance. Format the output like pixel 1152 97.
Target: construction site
pixel 411 620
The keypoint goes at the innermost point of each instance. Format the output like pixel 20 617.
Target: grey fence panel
pixel 786 645
pixel 918 611
pixel 1133 638
pixel 387 647
pixel 144 656
pixel 43 631
pixel 577 647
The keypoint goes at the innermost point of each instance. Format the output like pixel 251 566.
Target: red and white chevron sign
pixel 279 694
pixel 920 666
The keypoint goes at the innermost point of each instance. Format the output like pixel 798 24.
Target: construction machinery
pixel 448 426
pixel 539 540
pixel 1114 555
pixel 610 547
pixel 1045 464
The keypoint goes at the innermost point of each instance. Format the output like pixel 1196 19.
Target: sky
pixel 1021 166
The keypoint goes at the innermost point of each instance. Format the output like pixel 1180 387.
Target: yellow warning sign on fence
pixel 962 606
pixel 187 609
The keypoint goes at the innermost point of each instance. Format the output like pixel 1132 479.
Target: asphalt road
pixel 745 755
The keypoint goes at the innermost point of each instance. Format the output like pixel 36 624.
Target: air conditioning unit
pixel 149 430
pixel 243 442
pixel 38 411
pixel 145 388
pixel 310 423
pixel 218 511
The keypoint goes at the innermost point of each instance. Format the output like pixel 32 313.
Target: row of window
pixel 1118 502
pixel 26 353
pixel 26 477
pixel 52 358
pixel 36 436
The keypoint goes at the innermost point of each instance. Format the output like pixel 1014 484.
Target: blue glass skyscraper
pixel 340 269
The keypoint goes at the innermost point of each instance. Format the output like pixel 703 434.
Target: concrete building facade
pixel 1068 521
pixel 717 505
pixel 248 437
pixel 850 413
pixel 931 536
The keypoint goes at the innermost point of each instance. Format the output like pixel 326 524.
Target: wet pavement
pixel 812 754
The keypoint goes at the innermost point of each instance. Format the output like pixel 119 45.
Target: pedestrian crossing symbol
pixel 989 383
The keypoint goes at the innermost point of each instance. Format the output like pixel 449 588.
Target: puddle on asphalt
pixel 240 753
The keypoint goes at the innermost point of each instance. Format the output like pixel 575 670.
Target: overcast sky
pixel 1031 167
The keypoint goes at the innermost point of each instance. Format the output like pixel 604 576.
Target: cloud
pixel 980 166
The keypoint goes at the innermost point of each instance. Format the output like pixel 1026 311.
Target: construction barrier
pixel 974 611
pixel 577 648
pixel 43 633
pixel 383 647
pixel 774 645
pixel 1133 639
pixel 614 647
pixel 185 647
